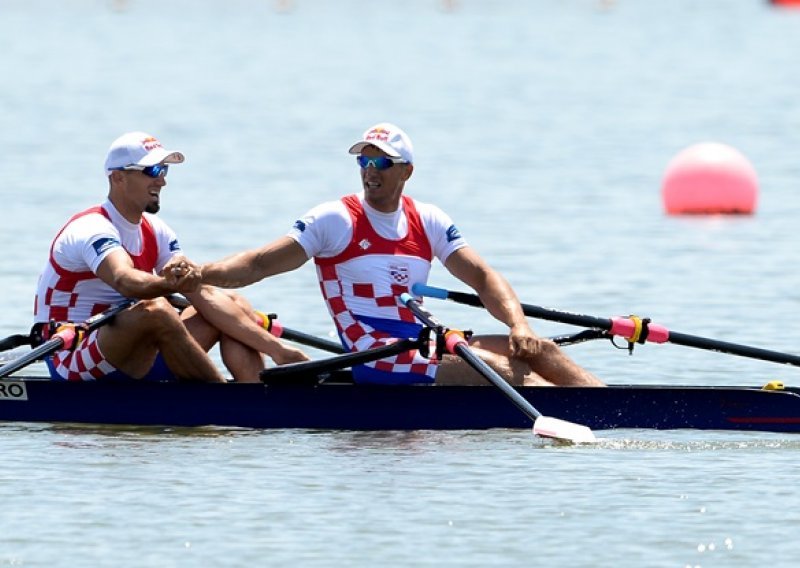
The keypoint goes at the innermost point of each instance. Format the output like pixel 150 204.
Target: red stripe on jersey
pixel 68 280
pixel 415 243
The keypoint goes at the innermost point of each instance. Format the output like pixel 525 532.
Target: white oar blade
pixel 548 427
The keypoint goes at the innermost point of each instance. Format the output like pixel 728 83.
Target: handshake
pixel 182 274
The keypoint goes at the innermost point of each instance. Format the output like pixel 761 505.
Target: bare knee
pixel 240 301
pixel 155 316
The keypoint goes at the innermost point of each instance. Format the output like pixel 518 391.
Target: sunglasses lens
pixel 159 170
pixel 379 162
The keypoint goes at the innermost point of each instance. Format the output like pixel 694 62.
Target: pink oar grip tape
pixel 452 339
pixel 625 327
pixel 67 335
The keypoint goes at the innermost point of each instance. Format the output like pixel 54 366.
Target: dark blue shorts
pixel 369 375
pixel 159 372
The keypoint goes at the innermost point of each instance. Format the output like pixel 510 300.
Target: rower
pixel 370 247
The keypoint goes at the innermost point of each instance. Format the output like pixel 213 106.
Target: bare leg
pixel 552 364
pixel 234 316
pixel 133 340
pixel 203 332
pixel 455 371
pixel 243 362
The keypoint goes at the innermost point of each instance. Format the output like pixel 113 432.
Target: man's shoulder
pixel 85 231
pixel 89 222
pixel 328 209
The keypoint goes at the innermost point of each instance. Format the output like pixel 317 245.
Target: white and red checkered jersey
pixel 365 259
pixel 69 289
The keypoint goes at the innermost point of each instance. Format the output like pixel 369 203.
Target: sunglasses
pixel 378 162
pixel 159 170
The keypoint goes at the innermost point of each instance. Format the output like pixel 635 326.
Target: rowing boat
pixel 321 394
pixel 338 404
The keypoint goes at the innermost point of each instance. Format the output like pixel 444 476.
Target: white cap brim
pixel 358 147
pixel 161 156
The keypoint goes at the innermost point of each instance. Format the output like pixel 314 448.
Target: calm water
pixel 543 127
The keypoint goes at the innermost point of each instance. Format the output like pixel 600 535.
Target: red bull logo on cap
pixel 380 134
pixel 151 143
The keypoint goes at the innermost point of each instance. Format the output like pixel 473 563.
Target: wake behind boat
pixel 335 403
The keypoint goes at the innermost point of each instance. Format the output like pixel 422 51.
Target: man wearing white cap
pixel 370 248
pixel 119 250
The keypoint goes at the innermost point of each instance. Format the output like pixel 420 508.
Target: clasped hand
pixel 182 274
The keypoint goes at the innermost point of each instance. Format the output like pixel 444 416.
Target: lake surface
pixel 543 127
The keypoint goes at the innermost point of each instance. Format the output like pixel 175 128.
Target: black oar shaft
pixel 484 369
pixel 339 361
pixel 733 348
pixel 13 341
pixel 608 324
pixel 472 359
pixel 50 346
pixel 311 340
pixel 54 344
pixel 276 328
pixel 538 312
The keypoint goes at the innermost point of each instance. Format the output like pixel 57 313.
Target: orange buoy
pixel 710 178
pixel 786 3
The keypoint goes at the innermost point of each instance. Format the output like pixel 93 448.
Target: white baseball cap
pixel 389 138
pixel 139 149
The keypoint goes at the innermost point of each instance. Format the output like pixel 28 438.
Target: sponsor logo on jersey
pixel 452 234
pixel 174 246
pixel 364 244
pixel 104 244
pixel 399 273
pixel 299 225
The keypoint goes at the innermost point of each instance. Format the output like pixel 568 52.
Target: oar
pixel 272 325
pixel 542 425
pixel 633 329
pixel 298 371
pixel 63 339
pixel 322 366
pixel 278 330
pixel 13 341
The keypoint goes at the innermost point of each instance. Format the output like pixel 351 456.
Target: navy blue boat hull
pixel 359 407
